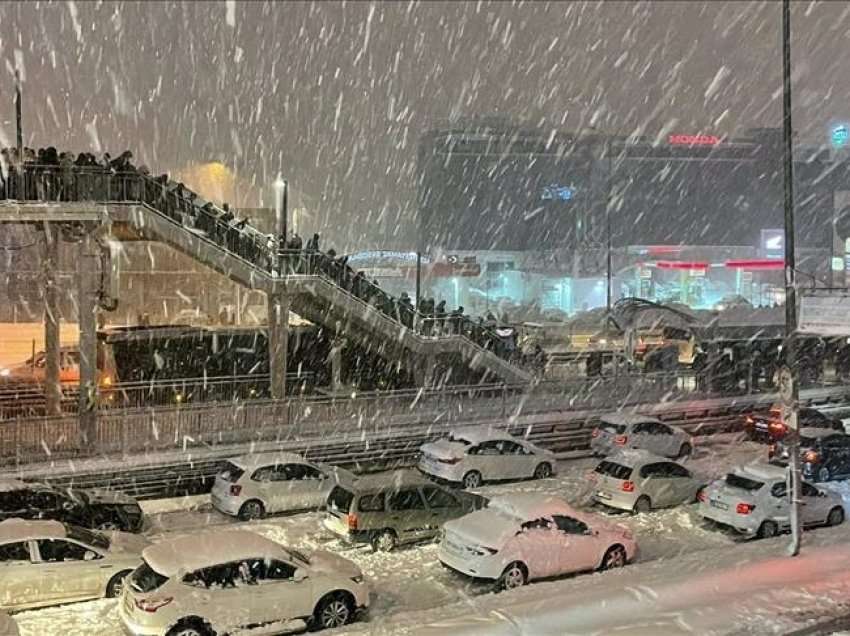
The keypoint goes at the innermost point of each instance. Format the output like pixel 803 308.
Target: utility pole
pixel 608 290
pixel 19 116
pixel 789 376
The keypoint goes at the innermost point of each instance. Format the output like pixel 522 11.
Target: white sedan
pixel 46 563
pixel 252 486
pixel 617 431
pixel 474 455
pixel 238 582
pixel 522 537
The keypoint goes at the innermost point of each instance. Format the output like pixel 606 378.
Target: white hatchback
pixel 518 538
pixel 472 456
pixel 252 486
pixel 238 582
pixel 620 430
pixel 47 563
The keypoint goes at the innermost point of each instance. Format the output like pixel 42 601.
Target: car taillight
pixel 621 440
pixel 701 496
pixel 776 427
pixel 352 521
pixel 811 457
pixel 451 460
pixel 152 604
pixel 595 433
pixel 235 490
pixel 628 486
pixel 744 508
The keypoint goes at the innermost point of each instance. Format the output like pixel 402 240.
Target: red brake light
pixel 235 490
pixel 621 440
pixel 811 456
pixel 777 426
pixel 352 521
pixel 701 496
pixel 595 433
pixel 152 604
pixel 628 486
pixel 744 508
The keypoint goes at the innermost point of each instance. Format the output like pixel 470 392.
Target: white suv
pixel 238 582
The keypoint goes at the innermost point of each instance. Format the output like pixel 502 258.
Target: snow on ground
pixel 411 579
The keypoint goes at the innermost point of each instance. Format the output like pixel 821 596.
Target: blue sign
pixel 556 192
pixel 840 135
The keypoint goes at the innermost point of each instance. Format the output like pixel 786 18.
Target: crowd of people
pixel 48 175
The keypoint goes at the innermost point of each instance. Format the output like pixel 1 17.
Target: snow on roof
pixel 12 530
pixel 11 484
pixel 478 434
pixel 529 506
pixel 817 433
pixel 396 479
pixel 268 457
pixel 625 419
pixel 764 472
pixel 195 551
pixel 634 457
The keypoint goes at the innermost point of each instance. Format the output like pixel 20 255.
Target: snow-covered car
pixel 824 454
pixel 46 563
pixel 620 430
pixel 474 455
pixel 8 626
pixel 639 481
pixel 522 537
pixel 238 582
pixel 96 508
pixel 386 510
pixel 753 500
pixel 255 485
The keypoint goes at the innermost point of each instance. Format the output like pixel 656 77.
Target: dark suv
pixel 824 454
pixel 769 426
pixel 96 509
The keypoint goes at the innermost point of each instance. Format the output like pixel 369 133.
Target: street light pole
pixel 791 393
pixel 608 290
pixel 281 187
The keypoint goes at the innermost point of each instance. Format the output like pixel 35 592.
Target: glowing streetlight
pixel 281 188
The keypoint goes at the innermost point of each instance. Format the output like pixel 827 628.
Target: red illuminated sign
pixel 693 140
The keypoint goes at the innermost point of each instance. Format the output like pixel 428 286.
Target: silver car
pixel 639 481
pixel 753 500
pixel 620 430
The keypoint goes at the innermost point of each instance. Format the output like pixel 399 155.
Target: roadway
pixel 411 579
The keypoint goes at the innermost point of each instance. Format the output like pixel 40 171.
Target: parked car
pixel 238 582
pixel 753 501
pixel 639 481
pixel 522 537
pixel 621 430
pixel 387 510
pixel 95 509
pixel 8 626
pixel 769 426
pixel 46 563
pixel 472 456
pixel 252 486
pixel 825 454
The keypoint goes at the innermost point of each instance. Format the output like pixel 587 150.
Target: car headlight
pixel 358 578
pixel 5 373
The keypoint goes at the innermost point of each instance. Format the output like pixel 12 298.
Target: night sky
pixel 336 95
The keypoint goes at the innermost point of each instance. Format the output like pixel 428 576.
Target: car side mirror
pixel 299 575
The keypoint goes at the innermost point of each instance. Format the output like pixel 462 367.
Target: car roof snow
pixel 762 471
pixel 624 419
pixel 634 457
pixel 268 457
pixel 527 506
pixel 7 485
pixel 478 434
pixel 193 552
pixel 12 530
pixel 818 432
pixel 391 481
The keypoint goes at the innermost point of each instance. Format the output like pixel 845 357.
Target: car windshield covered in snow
pixel 734 480
pixel 613 469
pixel 145 579
pixel 94 539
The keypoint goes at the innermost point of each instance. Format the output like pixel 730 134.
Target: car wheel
pixel 768 529
pixel 835 516
pixel 615 557
pixel 116 584
pixel 189 628
pixel 543 471
pixel 384 541
pixel 334 610
pixel 251 510
pixel 642 505
pixel 472 479
pixel 823 474
pixel 514 576
pixel 685 451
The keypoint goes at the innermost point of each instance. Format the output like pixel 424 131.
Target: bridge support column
pixel 88 262
pixel 278 311
pixel 52 385
pixel 336 365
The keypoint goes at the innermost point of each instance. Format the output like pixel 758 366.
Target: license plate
pixel 719 504
pixel 603 495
